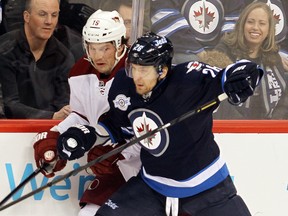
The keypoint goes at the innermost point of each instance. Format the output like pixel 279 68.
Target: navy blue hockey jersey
pixel 183 159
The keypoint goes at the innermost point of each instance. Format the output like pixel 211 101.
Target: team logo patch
pixel 122 102
pixel 205 18
pixel 143 121
pixel 279 18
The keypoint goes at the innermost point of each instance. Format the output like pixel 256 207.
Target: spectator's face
pixel 126 13
pixel 103 56
pixel 256 28
pixel 145 78
pixel 42 18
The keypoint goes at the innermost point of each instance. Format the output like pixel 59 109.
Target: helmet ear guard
pixel 150 49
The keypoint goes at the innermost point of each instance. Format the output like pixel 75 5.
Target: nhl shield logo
pixel 143 121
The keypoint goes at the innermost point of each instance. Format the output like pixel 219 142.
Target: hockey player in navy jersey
pixel 182 169
pixel 193 25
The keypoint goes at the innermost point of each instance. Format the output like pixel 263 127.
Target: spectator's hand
pixel 62 113
pixel 240 80
pixel 77 140
pixel 107 166
pixel 45 151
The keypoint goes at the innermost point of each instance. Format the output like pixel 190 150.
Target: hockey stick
pixel 23 183
pixel 119 149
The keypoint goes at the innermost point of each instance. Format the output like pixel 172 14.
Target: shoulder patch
pixel 121 102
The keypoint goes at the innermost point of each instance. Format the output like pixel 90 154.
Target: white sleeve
pixel 71 120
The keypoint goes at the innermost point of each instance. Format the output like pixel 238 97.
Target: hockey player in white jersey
pixel 90 80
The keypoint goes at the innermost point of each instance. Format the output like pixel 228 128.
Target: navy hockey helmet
pixel 150 49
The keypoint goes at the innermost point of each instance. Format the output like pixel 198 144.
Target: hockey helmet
pixel 104 26
pixel 150 49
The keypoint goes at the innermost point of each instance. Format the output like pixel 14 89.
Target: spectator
pixel 124 7
pixel 90 80
pixel 35 65
pixel 193 26
pixel 91 3
pixel 254 39
pixel 182 169
pixel 72 18
pixel 280 12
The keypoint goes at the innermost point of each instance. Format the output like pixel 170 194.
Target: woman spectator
pixel 254 39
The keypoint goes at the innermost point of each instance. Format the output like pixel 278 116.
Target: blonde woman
pixel 254 38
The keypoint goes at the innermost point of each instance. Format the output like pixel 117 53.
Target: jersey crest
pixel 143 121
pixel 121 102
pixel 205 17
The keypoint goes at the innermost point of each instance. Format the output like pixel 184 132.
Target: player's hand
pixel 45 152
pixel 240 80
pixel 76 141
pixel 107 166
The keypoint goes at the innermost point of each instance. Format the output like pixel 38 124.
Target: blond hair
pixel 236 40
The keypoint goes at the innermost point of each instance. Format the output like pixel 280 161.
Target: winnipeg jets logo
pixel 121 102
pixel 144 121
pixel 279 18
pixel 204 16
pixel 143 128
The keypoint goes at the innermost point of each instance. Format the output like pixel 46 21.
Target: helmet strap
pixel 117 58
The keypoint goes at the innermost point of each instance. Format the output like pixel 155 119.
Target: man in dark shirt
pixel 35 65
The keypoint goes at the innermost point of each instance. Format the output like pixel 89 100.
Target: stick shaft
pixel 120 148
pixel 22 184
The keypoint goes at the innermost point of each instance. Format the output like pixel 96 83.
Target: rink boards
pixel 255 152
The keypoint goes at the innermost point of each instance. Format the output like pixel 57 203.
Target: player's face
pixel 144 77
pixel 103 56
pixel 256 28
pixel 41 20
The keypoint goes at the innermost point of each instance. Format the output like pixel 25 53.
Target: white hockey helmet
pixel 104 26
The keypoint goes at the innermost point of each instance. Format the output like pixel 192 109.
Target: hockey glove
pixel 74 142
pixel 45 151
pixel 240 80
pixel 109 165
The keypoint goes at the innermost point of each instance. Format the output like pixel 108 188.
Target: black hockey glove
pixel 74 142
pixel 79 139
pixel 240 80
